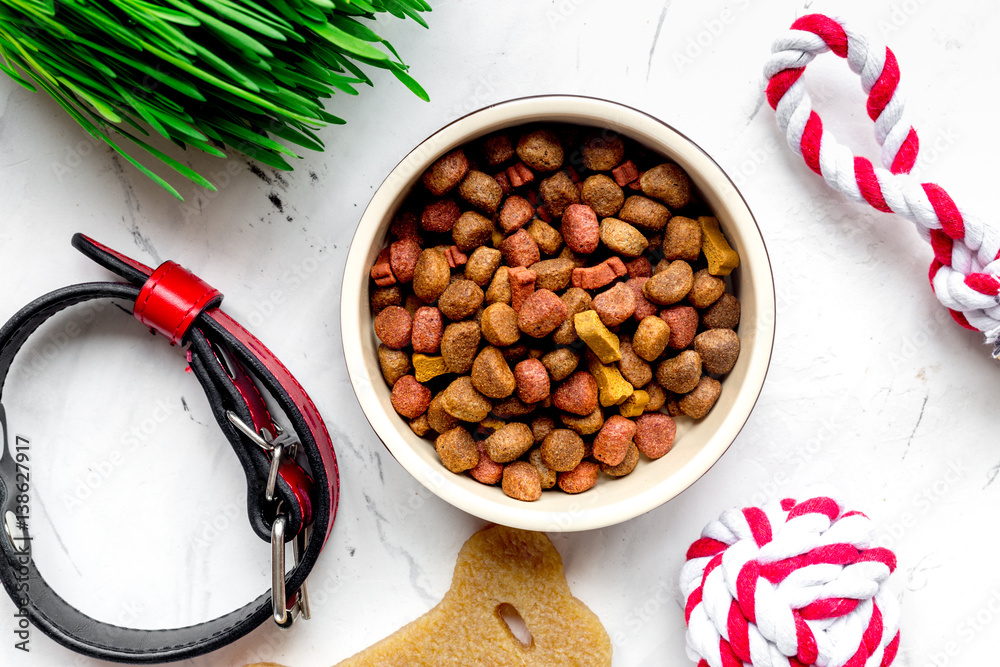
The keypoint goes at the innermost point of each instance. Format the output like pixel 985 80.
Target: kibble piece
pixel 547 238
pixel 722 259
pixel 541 426
pixel 613 388
pixel 633 368
pixel 410 398
pixel 499 325
pixel 440 216
pixel 635 404
pixel 406 225
pixel 612 442
pixel 532 381
pixel 577 395
pixel 680 374
pixel 393 326
pixel 719 349
pixel 460 299
pixel 626 173
pixel 601 342
pixel 426 367
pixel 558 191
pixel 431 276
pixel 382 297
pixel 645 213
pixel 498 149
pixel 654 434
pixel 457 450
pixel 487 471
pixel 651 337
pixel 553 274
pixel 723 314
pixel 596 277
pixel 459 345
pixel 547 474
pixel 560 363
pixel 615 305
pixel 521 481
pixel 509 442
pixel 381 271
pixel 580 229
pixel 682 239
pixel 668 183
pixel 461 400
pixel 683 323
pixel 482 264
pixel 512 407
pixel 522 285
pixel 627 465
pixel 671 406
pixel 622 238
pixel 519 249
pixel 577 300
pixel 657 397
pixel 438 418
pixel 603 151
pixel 602 194
pixel 515 213
pixel 639 268
pixel 540 150
pixel 541 313
pixel 515 353
pixel 471 230
pixel 643 306
pixel 580 478
pixel 481 190
pixel 403 255
pixel 701 399
pixel 446 173
pixel 491 376
pixel 706 289
pixel 394 363
pixel 670 285
pixel 562 450
pixel 586 424
pixel 420 426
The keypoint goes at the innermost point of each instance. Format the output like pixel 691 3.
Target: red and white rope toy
pixel 965 273
pixel 790 585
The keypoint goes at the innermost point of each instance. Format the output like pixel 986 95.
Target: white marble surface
pixel 138 504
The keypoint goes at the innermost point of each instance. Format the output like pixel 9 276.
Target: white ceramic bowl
pixel 697 446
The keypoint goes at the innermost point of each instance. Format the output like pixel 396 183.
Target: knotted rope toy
pixel 965 273
pixel 790 585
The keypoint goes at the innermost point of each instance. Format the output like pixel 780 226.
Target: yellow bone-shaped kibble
pixel 635 404
pixel 598 338
pixel 614 389
pixel 722 259
pixel 426 367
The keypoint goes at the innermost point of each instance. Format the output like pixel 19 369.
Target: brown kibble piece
pixel 668 183
pixel 491 376
pixel 459 345
pixel 440 215
pixel 701 399
pixel 498 149
pixel 460 299
pixel 654 434
pixel 546 474
pixel 487 471
pixel 406 225
pixel 644 212
pixel 482 264
pixel 519 249
pixel 553 274
pixel 547 238
pixel 622 238
pixel 577 395
pixel 521 481
pixel 403 255
pixel 657 397
pixel 499 289
pixel 602 151
pixel 481 190
pixel 558 191
pixel 394 363
pixel 431 275
pixel 420 426
pixel 577 300
pixel 382 297
pixel 515 213
pixel 560 363
pixel 643 306
pixel 639 268
pixel 612 442
pixel 682 239
pixel 680 374
pixel 446 173
pixel 461 400
pixel 509 442
pixel 499 325
pixel 585 425
pixel 471 230
pixel 602 194
pixel 670 285
pixel 541 313
pixel 428 327
pixel 633 368
pixel 541 426
pixel 562 450
pixel 393 327
pixel 580 229
pixel 532 380
pixel 457 450
pixel 683 322
pixel 723 314
pixel 706 289
pixel 580 478
pixel 540 150
pixel 651 337
pixel 409 397
pixel 437 417
pixel 615 305
pixel 627 465
pixel 512 407
pixel 719 349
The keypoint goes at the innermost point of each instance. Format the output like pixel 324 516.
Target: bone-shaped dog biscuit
pixel 498 566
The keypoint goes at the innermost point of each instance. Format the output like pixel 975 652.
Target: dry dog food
pixel 549 301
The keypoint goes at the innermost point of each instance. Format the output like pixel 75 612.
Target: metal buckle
pixel 282 614
pixel 279 446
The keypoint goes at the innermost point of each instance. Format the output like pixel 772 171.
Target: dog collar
pixel 291 472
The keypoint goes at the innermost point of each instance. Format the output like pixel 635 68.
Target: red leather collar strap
pixel 236 372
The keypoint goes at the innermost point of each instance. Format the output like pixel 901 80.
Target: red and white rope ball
pixel 965 273
pixel 790 585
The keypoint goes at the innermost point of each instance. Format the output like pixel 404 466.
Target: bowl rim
pixel 356 275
